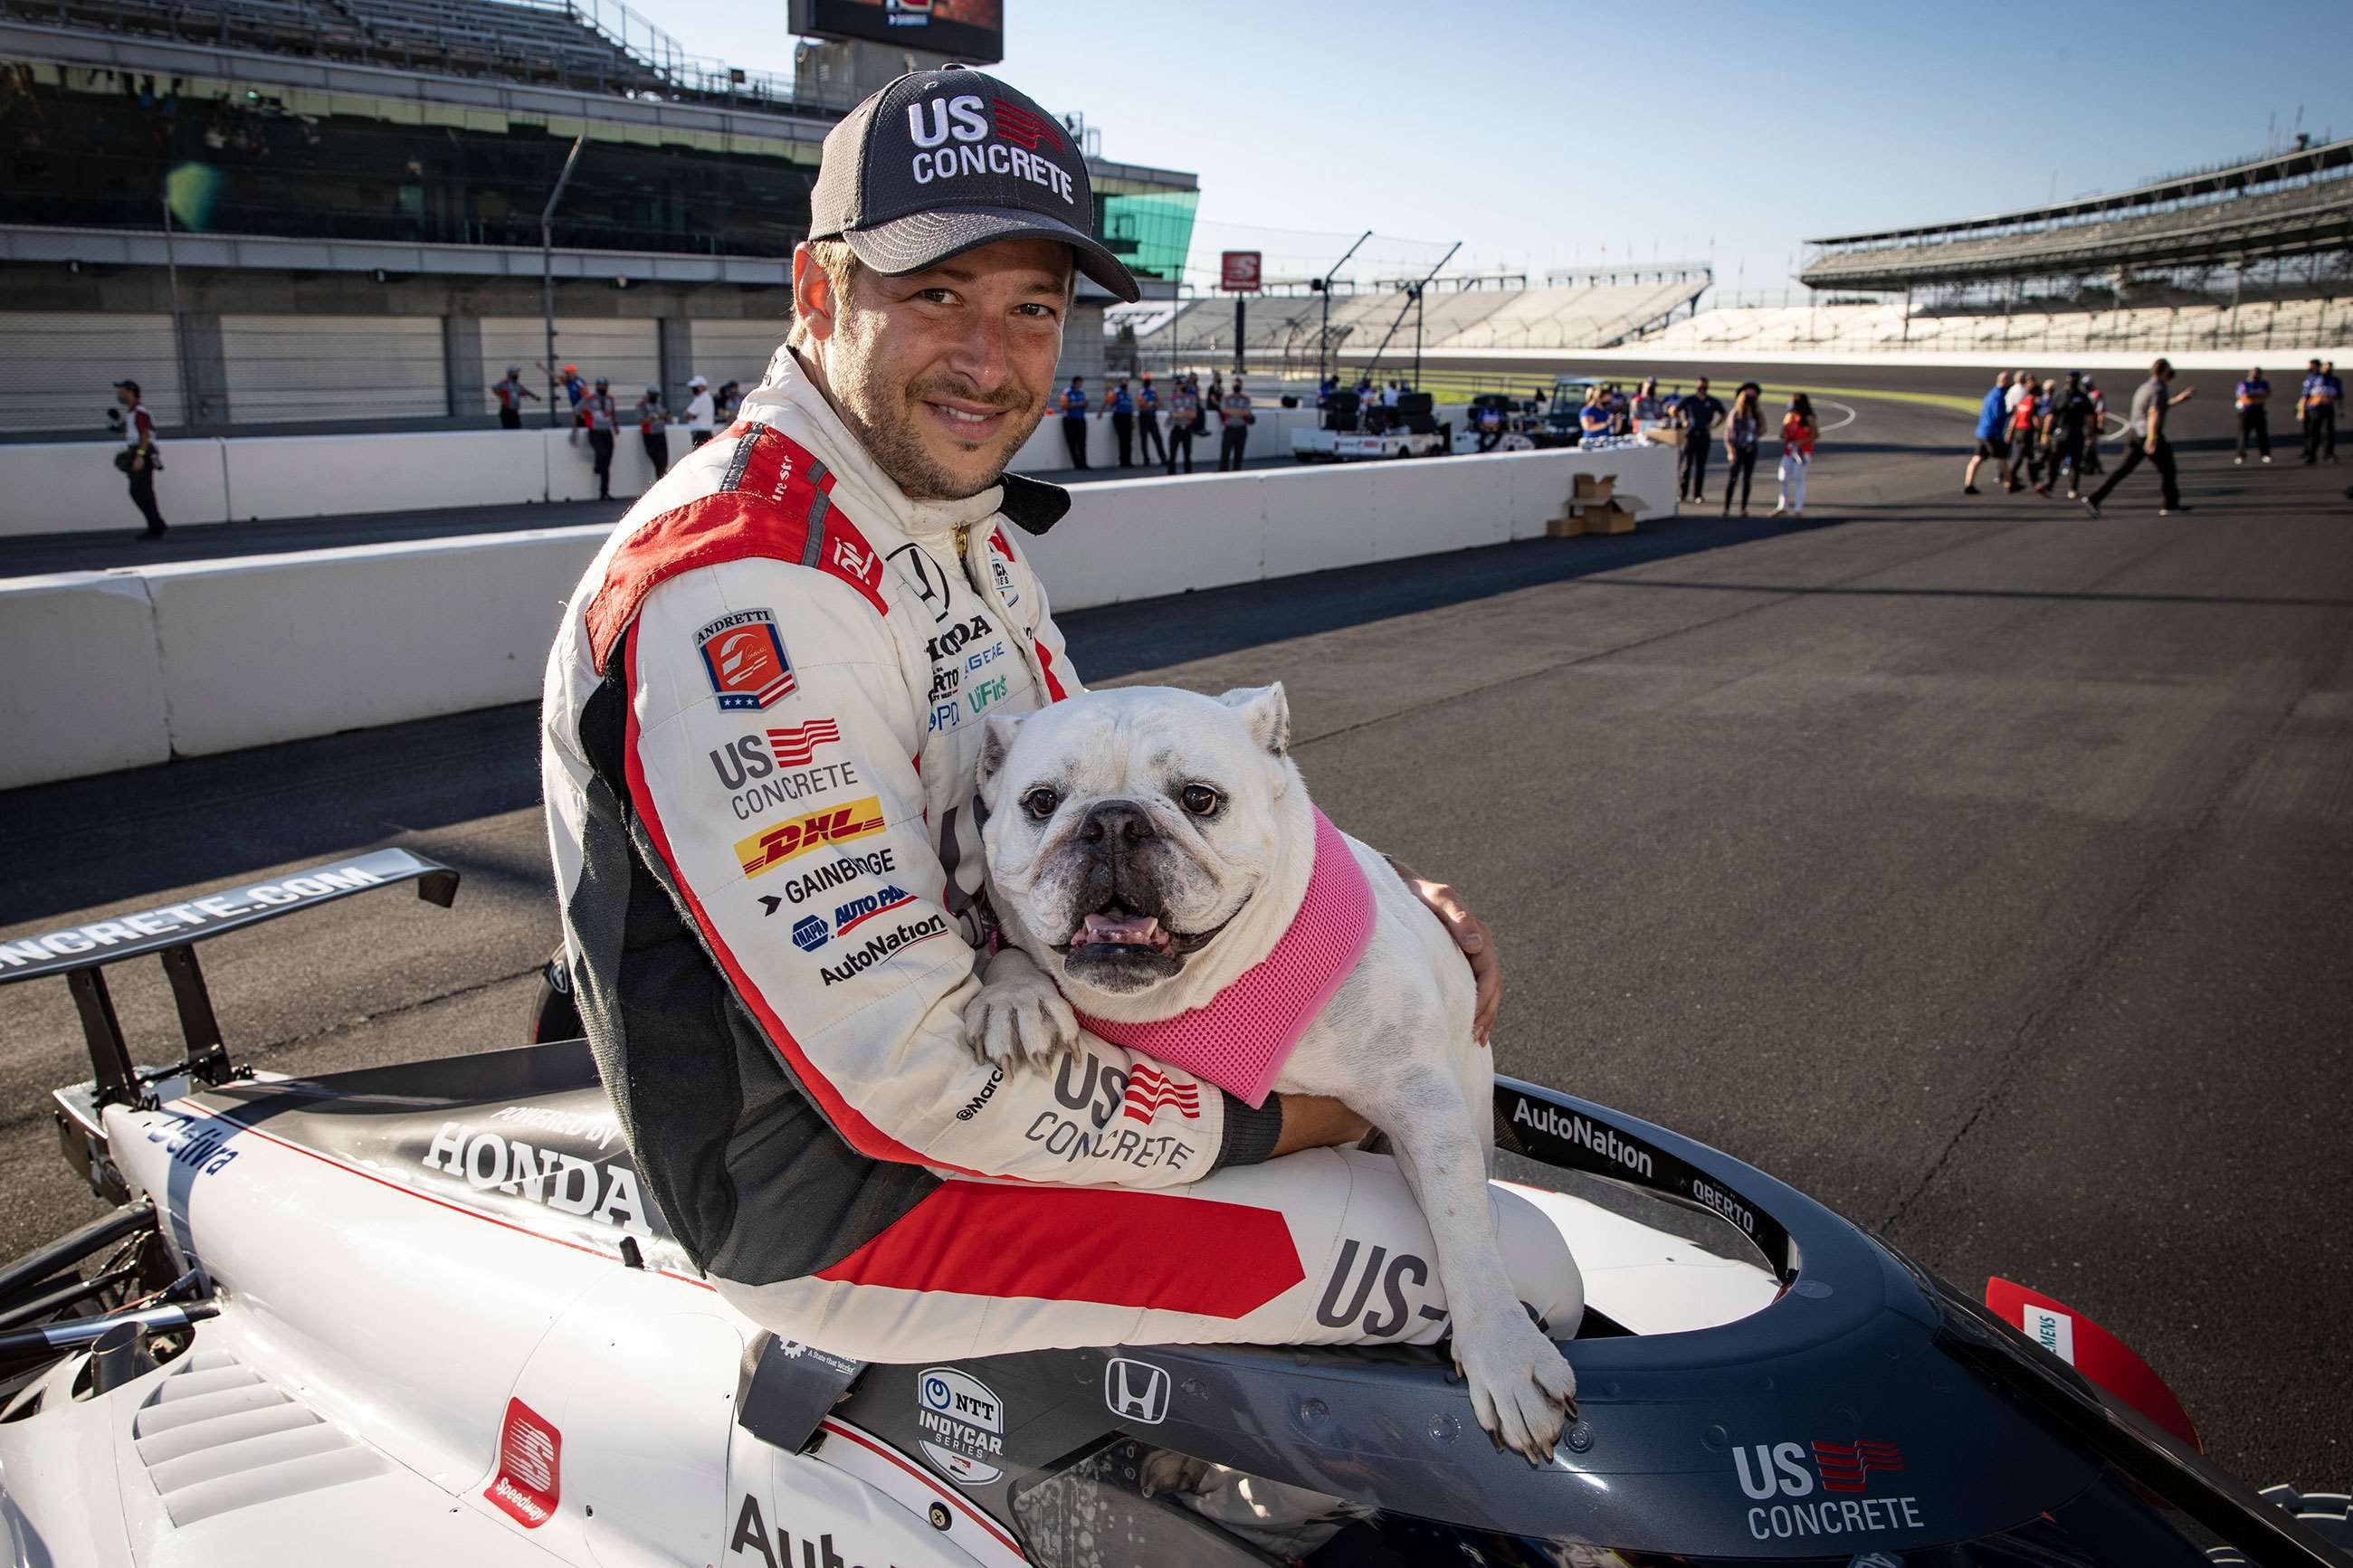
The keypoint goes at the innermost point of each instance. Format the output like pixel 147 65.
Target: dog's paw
pixel 1522 1391
pixel 1020 1017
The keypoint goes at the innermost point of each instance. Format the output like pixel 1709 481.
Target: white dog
pixel 1147 847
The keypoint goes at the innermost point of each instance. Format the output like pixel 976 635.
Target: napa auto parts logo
pixel 963 1425
pixel 1821 1489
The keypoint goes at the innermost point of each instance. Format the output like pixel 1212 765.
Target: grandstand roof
pixel 2289 205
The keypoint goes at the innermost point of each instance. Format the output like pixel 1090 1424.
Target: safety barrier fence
pixel 135 666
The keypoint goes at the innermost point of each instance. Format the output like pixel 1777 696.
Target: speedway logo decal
pixel 744 657
pixel 531 1459
pixel 1768 1472
pixel 963 1425
pixel 827 825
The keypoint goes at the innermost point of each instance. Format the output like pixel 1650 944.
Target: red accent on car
pixel 2092 1351
pixel 1109 1245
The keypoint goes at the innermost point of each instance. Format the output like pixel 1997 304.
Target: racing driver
pixel 762 711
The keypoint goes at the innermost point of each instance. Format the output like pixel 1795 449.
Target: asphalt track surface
pixel 1982 868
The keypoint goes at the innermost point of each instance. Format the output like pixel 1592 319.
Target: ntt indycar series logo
pixel 1591 1136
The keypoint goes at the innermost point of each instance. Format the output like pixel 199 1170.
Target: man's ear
pixel 994 746
pixel 814 305
pixel 1267 711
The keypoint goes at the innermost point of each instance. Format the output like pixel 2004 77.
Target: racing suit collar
pixel 789 392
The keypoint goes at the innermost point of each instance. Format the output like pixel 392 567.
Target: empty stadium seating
pixel 2257 324
pixel 1568 316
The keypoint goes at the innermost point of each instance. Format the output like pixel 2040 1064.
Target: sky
pixel 1544 134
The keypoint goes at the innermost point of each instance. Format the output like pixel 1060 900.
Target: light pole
pixel 1323 286
pixel 547 267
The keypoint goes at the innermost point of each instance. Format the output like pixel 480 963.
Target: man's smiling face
pixel 942 374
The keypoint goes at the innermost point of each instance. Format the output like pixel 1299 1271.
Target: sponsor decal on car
pixel 529 1482
pixel 827 825
pixel 1150 1090
pixel 753 1543
pixel 1348 1290
pixel 327 881
pixel 839 873
pixel 194 1143
pixel 605 1192
pixel 880 946
pixel 1136 1391
pixel 963 1425
pixel 1806 1473
pixel 744 657
pixel 1586 1134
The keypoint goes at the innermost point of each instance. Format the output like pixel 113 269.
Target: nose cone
pixel 1116 824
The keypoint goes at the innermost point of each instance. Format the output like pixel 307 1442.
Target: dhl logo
pixel 828 824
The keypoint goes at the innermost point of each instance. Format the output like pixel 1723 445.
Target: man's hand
pixel 1472 935
pixel 1316 1121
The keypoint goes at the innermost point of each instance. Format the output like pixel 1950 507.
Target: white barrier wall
pixel 134 666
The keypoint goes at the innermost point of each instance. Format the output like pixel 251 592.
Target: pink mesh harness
pixel 1241 1038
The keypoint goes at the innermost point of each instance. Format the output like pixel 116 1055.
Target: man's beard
pixel 887 429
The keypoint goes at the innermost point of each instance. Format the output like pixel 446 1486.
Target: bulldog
pixel 1147 849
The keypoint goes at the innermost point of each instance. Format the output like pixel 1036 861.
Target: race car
pixel 1348 433
pixel 426 1313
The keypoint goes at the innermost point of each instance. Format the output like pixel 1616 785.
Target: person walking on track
pixel 600 419
pixel 1074 420
pixel 2098 429
pixel 701 413
pixel 2063 424
pixel 1184 422
pixel 1235 417
pixel 2255 418
pixel 653 430
pixel 1742 430
pixel 510 394
pixel 1993 439
pixel 2145 437
pixel 2025 426
pixel 1147 421
pixel 138 459
pixel 1121 407
pixel 1798 431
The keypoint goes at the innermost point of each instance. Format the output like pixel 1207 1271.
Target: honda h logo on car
pixel 1136 1391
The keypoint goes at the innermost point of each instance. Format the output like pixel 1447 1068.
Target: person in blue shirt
pixel 1147 420
pixel 1990 438
pixel 1120 408
pixel 1596 418
pixel 2254 419
pixel 1074 420
pixel 2316 405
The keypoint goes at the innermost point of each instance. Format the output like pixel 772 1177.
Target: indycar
pixel 426 1312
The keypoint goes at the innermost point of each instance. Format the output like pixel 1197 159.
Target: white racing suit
pixel 762 711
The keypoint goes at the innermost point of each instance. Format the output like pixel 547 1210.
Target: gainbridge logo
pixel 827 825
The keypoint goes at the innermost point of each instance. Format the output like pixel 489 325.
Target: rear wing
pixel 80 954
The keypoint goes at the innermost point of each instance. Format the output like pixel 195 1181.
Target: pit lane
pixel 1986 870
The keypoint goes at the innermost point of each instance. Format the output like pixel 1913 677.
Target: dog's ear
pixel 1267 711
pixel 994 746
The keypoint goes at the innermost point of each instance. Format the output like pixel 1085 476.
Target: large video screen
pixel 970 31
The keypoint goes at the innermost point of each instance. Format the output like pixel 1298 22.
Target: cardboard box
pixel 1612 519
pixel 1565 527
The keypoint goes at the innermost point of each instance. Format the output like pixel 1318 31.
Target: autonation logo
pixel 1586 1134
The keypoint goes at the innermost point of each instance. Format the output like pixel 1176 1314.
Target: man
pixel 510 394
pixel 2063 424
pixel 141 462
pixel 1121 407
pixel 2315 407
pixel 1991 440
pixel 652 431
pixel 1147 420
pixel 1184 421
pixel 1695 415
pixel 1074 420
pixel 2254 419
pixel 701 413
pixel 600 417
pixel 1234 420
pixel 2025 420
pixel 2145 437
pixel 2098 430
pixel 764 710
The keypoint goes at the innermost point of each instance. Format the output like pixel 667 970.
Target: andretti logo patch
pixel 827 825
pixel 744 657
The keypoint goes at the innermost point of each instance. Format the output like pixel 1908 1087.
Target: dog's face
pixel 1127 829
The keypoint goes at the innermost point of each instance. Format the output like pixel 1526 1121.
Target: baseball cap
pixel 698 381
pixel 943 162
pixel 132 386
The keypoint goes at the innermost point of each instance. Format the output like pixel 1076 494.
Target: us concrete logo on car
pixel 963 1425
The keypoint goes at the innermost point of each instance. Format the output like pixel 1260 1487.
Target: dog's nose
pixel 1119 823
